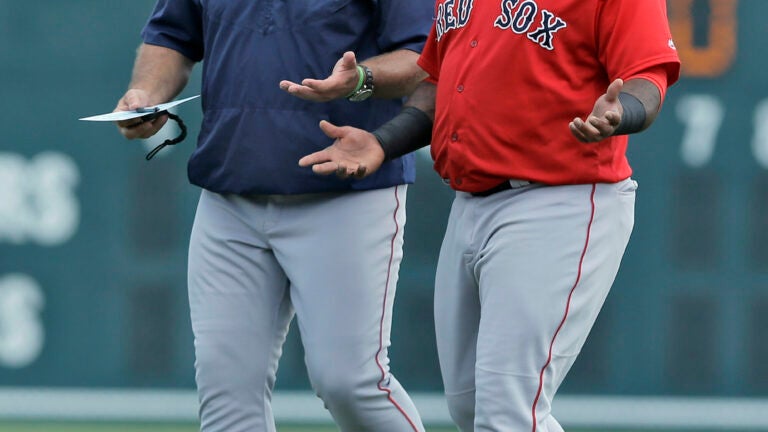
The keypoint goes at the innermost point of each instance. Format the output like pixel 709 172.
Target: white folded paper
pixel 127 115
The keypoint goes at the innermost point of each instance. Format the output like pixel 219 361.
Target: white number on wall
pixel 37 198
pixel 702 116
pixel 21 328
pixel 760 140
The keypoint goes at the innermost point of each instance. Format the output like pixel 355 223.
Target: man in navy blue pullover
pixel 270 239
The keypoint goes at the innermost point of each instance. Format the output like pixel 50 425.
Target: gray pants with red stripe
pixel 521 278
pixel 332 260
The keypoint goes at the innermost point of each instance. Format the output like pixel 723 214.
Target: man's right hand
pixel 339 84
pixel 138 127
pixel 355 153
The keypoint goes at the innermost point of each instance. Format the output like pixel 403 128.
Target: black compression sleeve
pixel 633 118
pixel 408 131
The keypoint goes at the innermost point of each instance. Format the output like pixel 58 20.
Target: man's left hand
pixel 604 118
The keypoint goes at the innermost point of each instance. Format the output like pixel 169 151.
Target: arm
pixel 359 153
pixel 423 98
pixel 159 74
pixel 395 73
pixel 617 114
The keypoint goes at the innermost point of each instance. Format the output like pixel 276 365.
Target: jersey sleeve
pixel 403 24
pixel 178 25
pixel 634 36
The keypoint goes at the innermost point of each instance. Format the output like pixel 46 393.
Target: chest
pixel 539 22
pixel 275 14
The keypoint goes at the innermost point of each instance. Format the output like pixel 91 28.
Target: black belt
pixel 501 187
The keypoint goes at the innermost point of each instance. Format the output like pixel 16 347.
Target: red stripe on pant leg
pixel 567 308
pixel 383 315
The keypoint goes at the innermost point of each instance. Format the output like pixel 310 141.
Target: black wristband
pixel 408 131
pixel 633 118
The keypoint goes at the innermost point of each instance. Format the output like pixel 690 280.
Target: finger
pixel 158 124
pixel 588 129
pixel 348 60
pixel 325 168
pixel 327 89
pixel 144 129
pixel 341 171
pixel 128 124
pixel 612 94
pixel 584 131
pixel 318 85
pixel 613 118
pixel 136 130
pixel 147 134
pixel 286 85
pixel 602 125
pixel 133 101
pixel 578 123
pixel 124 105
pixel 307 93
pixel 577 133
pixel 352 172
pixel 361 171
pixel 315 159
pixel 153 119
pixel 121 106
pixel 330 130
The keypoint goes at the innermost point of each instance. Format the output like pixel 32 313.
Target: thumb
pixel 612 94
pixel 134 99
pixel 348 60
pixel 330 130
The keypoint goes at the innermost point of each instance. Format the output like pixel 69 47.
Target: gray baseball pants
pixel 331 259
pixel 521 278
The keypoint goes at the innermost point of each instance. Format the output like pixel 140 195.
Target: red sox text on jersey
pixel 515 15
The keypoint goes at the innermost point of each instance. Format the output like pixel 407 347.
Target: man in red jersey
pixel 531 102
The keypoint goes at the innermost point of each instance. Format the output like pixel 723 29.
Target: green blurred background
pixel 93 238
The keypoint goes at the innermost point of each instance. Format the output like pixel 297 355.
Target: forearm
pixel 649 96
pixel 161 72
pixel 396 73
pixel 412 128
pixel 423 98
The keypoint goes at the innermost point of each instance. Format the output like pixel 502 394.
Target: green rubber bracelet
pixel 360 81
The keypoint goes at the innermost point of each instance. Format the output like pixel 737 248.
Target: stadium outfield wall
pixel 291 407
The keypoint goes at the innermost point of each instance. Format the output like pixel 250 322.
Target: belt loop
pixel 506 185
pixel 514 183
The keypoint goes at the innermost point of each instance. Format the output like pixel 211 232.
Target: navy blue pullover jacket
pixel 253 133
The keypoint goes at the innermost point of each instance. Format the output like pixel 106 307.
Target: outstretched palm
pixel 340 83
pixel 355 153
pixel 604 118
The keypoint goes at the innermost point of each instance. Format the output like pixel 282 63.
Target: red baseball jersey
pixel 511 75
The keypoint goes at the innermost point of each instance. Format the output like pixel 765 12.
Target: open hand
pixel 340 83
pixel 355 153
pixel 604 119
